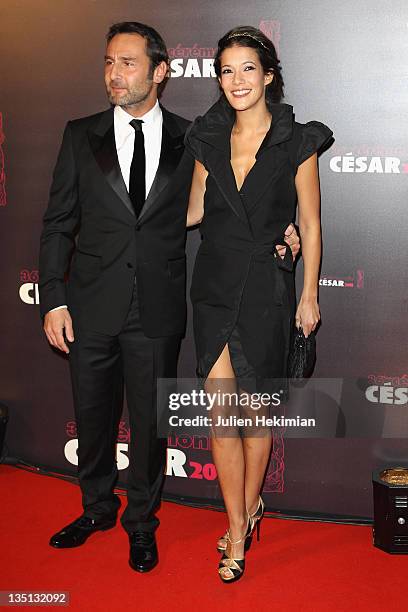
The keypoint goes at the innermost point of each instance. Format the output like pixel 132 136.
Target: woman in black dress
pixel 254 163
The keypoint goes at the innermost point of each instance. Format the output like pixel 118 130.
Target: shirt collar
pixel 123 119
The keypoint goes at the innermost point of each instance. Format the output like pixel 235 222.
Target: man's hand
pixel 292 239
pixel 55 322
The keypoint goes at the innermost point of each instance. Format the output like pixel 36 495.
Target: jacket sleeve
pixel 59 223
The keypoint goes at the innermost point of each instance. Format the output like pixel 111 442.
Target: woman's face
pixel 242 78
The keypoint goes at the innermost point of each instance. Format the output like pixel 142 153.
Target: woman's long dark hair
pixel 247 36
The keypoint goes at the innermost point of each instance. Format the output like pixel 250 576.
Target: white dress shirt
pixel 125 141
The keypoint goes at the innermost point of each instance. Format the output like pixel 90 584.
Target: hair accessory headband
pixel 248 35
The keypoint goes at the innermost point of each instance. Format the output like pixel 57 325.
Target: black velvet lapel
pixel 102 142
pixel 172 148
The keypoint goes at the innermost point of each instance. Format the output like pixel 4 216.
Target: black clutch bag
pixel 302 355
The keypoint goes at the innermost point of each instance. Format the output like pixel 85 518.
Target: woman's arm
pixel 195 211
pixel 308 193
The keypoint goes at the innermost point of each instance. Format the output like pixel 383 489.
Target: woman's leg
pixel 257 443
pixel 228 451
pixel 256 453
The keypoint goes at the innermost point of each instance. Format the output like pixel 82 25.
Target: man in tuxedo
pixel 121 182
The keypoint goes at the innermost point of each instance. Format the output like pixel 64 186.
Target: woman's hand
pixel 307 314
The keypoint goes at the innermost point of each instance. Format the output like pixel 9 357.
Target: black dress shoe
pixel 143 551
pixel 78 532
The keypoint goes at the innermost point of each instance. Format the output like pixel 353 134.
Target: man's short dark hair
pixel 155 45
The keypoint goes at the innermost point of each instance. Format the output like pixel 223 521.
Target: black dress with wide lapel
pixel 214 131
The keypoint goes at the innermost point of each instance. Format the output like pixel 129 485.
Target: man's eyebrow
pixel 123 57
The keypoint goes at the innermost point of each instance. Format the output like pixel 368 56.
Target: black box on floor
pixel 390 529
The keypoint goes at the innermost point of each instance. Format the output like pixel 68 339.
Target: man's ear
pixel 160 72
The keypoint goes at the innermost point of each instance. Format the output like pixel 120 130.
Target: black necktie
pixel 137 186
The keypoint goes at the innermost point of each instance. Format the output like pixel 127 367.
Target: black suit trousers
pixel 101 366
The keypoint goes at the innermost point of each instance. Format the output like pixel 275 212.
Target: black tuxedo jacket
pixel 90 214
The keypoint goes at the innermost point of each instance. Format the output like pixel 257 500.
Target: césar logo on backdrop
pixel 178 463
pixel 370 160
pixel 29 288
pixel 196 61
pixel 385 389
pixel 3 196
pixel 345 282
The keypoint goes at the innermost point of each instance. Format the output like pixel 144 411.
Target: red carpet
pixel 304 566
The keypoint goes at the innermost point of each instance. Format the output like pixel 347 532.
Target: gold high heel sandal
pixel 231 569
pixel 255 518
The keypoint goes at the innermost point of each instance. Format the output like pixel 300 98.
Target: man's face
pixel 128 74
